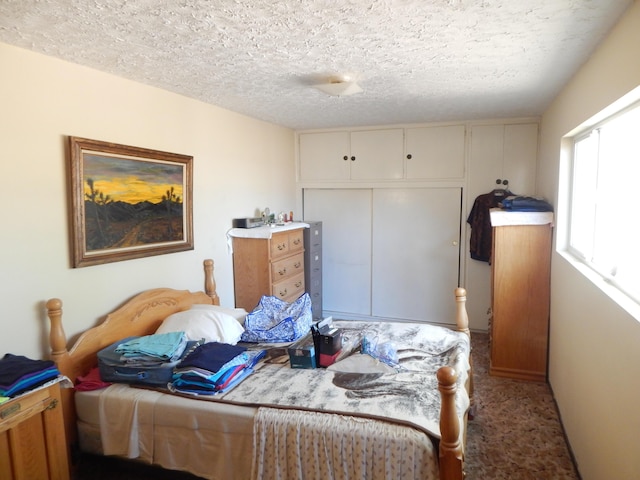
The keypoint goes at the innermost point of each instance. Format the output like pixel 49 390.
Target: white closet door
pixel 416 253
pixel 346 247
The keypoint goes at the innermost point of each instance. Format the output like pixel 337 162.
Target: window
pixel 604 226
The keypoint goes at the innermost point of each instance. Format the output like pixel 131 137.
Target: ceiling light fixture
pixel 339 86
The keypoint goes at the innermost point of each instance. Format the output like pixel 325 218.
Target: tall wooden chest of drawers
pixel 313 266
pixel 521 276
pixel 268 261
pixel 32 438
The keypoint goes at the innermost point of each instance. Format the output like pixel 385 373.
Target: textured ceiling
pixel 416 60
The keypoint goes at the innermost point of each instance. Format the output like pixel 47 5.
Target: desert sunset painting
pixel 131 202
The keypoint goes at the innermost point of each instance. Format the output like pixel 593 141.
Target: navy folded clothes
pixel 214 368
pixel 19 374
pixel 526 204
pixel 211 356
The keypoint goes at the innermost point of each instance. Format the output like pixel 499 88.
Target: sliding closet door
pixel 346 247
pixel 416 253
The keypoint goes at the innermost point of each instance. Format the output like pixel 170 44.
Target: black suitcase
pixel 113 370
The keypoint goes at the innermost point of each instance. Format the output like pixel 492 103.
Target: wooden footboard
pixel 142 315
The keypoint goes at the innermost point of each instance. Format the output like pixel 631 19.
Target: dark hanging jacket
pixel 480 221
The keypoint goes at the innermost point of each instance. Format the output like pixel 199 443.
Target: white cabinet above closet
pixel 435 152
pixel 505 152
pixel 358 155
pixel 416 153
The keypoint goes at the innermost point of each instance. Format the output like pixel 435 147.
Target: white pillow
pixel 202 323
pixel 238 313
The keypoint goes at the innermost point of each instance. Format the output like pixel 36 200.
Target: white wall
pixel 594 344
pixel 240 165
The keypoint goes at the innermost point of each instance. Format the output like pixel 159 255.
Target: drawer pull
pixel 12 410
pixel 281 246
pixel 52 404
pixel 283 294
pixel 283 271
pixel 297 264
pixel 298 284
pixel 296 241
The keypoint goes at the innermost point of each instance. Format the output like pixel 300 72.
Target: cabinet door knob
pixel 345 158
pixel 353 159
pixel 409 156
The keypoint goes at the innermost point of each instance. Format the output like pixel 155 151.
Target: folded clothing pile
pixel 214 368
pixel 147 360
pixel 526 204
pixel 153 349
pixel 19 374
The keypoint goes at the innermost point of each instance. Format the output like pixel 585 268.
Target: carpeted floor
pixel 514 435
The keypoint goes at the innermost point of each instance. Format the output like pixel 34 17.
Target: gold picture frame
pixel 128 202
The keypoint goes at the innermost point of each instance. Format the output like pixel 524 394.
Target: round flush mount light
pixel 339 86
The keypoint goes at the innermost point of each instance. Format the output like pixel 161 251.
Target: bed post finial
pixel 462 319
pixel 210 282
pixel 57 338
pixel 450 447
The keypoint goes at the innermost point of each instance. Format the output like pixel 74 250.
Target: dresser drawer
pixel 296 240
pixel 22 408
pixel 289 289
pixel 279 245
pixel 287 267
pixel 286 242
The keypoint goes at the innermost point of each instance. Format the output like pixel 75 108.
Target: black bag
pixel 113 369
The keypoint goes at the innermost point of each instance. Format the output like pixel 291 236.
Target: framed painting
pixel 128 202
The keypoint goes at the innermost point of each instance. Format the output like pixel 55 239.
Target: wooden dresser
pixel 268 261
pixel 32 438
pixel 521 273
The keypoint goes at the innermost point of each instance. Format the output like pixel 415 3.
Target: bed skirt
pixel 300 445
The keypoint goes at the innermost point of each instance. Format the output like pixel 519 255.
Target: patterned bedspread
pixel 409 396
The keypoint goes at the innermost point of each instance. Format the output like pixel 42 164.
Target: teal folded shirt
pixel 161 345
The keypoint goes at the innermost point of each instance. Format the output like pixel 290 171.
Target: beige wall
pixel 594 344
pixel 240 165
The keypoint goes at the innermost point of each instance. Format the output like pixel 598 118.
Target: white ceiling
pixel 416 60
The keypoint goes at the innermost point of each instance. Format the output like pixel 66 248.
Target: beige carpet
pixel 515 433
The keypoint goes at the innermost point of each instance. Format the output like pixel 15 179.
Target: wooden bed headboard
pixel 140 315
